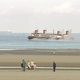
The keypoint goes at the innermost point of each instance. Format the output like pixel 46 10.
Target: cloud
pixel 6 10
pixel 64 7
pixel 27 14
pixel 42 7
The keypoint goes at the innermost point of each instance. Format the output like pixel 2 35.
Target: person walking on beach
pixel 54 66
pixel 23 65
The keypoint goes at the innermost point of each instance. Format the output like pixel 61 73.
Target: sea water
pixel 10 41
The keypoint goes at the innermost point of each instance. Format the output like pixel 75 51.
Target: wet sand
pixel 42 52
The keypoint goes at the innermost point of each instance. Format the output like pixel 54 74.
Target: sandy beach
pixel 43 58
pixel 40 75
pixel 68 58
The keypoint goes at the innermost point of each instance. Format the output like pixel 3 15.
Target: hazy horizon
pixel 31 32
pixel 25 16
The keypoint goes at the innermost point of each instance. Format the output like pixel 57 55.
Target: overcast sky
pixel 27 15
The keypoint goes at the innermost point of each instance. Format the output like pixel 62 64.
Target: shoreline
pixel 41 52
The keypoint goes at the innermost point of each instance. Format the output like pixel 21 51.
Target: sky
pixel 28 15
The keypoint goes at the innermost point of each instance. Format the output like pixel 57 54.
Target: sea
pixel 19 41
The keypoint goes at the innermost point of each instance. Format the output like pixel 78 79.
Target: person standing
pixel 54 66
pixel 23 65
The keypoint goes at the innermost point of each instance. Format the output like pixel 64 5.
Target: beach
pixel 42 58
pixel 63 58
pixel 40 75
